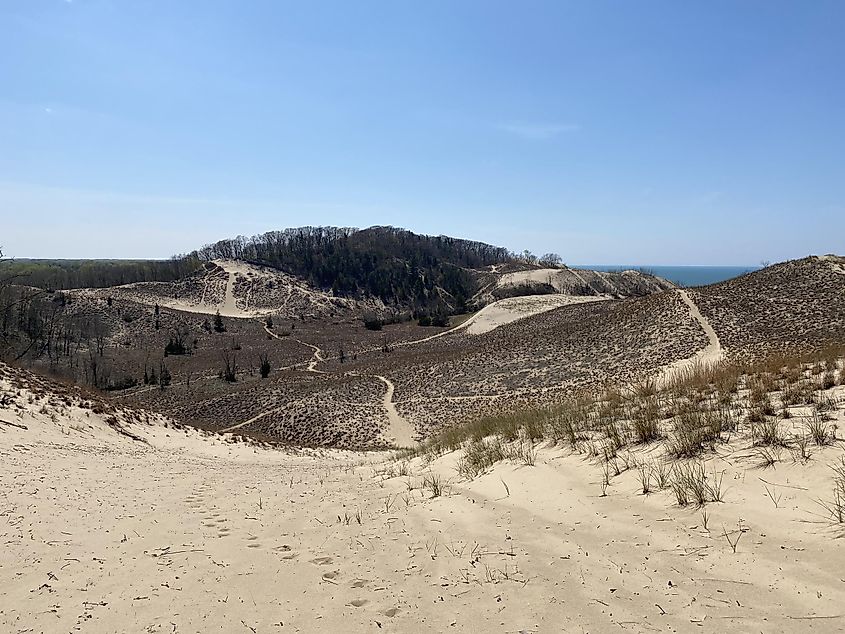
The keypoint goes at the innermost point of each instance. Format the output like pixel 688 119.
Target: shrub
pixel 163 376
pixel 828 380
pixel 372 322
pixel 219 326
pixel 123 383
pixel 175 347
pixel 264 365
pixel 440 320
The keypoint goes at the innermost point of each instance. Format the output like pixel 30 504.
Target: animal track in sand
pixel 359 583
pixel 322 561
pixel 359 602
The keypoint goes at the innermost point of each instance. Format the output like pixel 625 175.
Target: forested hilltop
pixel 395 265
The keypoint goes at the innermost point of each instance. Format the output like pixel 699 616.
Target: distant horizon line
pixel 646 266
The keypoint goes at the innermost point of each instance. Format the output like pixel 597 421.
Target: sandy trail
pixel 316 358
pixel 399 430
pixel 258 417
pixel 229 307
pixel 711 354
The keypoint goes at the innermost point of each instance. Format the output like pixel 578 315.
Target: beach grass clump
pixel 696 430
pixel 691 484
pixel 835 506
pixel 433 483
pixel 645 421
pixel 819 431
pixel 478 456
pixel 767 432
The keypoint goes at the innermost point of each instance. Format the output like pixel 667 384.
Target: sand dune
pixel 511 309
pixel 188 532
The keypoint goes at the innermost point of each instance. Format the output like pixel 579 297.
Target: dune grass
pixel 690 416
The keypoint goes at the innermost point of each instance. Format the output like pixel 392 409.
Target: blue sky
pixel 610 132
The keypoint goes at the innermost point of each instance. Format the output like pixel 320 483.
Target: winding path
pixel 399 430
pixel 711 354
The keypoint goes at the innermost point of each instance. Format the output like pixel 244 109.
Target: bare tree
pixel 264 366
pixel 551 260
pixel 230 366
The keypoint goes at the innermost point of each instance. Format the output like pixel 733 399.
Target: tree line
pixel 54 275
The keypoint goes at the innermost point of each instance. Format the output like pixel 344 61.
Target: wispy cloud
pixel 537 131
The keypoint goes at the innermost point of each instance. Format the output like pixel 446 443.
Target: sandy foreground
pixel 193 533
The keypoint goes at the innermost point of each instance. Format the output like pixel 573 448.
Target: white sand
pixel 534 276
pixel 511 309
pixel 187 534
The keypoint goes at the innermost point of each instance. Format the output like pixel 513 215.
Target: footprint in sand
pixel 391 612
pixel 331 575
pixel 322 561
pixel 223 532
pixel 359 583
pixel 358 602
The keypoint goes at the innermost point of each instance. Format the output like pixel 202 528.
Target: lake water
pixel 683 275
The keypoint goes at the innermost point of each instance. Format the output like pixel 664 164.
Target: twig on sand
pixel 789 486
pixel 745 583
pixel 11 424
pixel 177 552
pixel 120 429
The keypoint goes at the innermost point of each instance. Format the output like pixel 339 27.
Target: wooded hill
pixel 399 267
